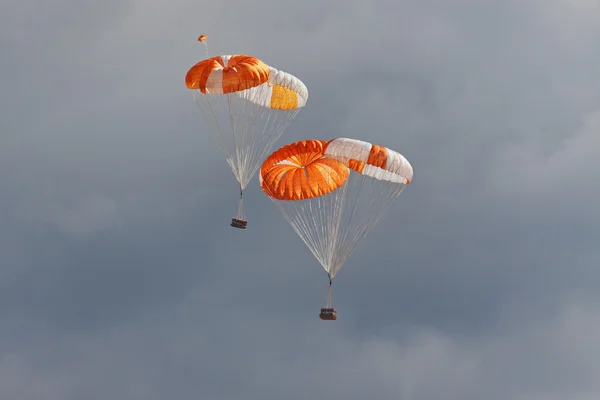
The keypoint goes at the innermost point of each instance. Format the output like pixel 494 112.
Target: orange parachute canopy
pixel 202 38
pixel 227 74
pixel 311 168
pixel 300 170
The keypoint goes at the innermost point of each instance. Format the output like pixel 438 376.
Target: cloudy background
pixel 121 278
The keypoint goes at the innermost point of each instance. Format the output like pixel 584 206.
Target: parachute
pixel 333 193
pixel 249 104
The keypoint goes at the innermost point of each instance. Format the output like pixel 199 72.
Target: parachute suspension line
pixel 241 215
pixel 338 207
pixel 248 138
pixel 317 222
pixel 244 128
pixel 375 197
pixel 332 225
pixel 362 182
pixel 235 149
pixel 205 43
pixel 264 128
pixel 344 235
pixel 210 113
pixel 245 131
pixel 329 299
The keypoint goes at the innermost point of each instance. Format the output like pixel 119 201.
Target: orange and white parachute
pixel 245 75
pixel 334 192
pixel 300 171
pixel 249 105
pixel 313 168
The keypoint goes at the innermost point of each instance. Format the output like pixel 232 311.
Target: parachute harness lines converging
pixel 249 105
pixel 333 193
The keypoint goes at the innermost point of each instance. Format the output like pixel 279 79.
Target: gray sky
pixel 121 278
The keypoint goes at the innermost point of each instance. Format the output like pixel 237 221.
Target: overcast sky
pixel 120 277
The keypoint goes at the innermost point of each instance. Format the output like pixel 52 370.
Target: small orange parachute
pixel 202 38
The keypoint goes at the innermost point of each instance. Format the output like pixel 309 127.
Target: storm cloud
pixel 121 278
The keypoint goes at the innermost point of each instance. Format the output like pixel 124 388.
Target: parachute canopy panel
pixel 282 91
pixel 299 171
pixel 227 74
pixel 372 160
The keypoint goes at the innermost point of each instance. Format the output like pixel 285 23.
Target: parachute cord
pixel 240 213
pixel 239 173
pixel 329 303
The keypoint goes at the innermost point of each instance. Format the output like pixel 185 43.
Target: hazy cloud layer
pixel 121 278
